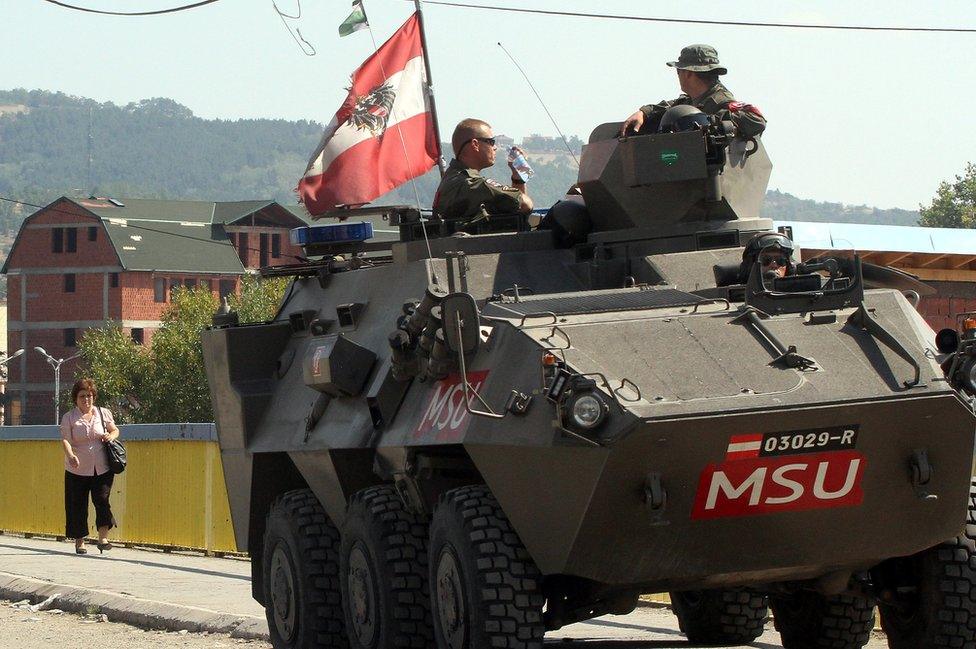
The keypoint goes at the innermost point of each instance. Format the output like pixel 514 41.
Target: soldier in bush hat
pixel 698 71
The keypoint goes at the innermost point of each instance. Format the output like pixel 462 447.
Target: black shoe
pixel 81 551
pixel 102 547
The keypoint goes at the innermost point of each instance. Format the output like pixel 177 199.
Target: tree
pixel 954 205
pixel 165 382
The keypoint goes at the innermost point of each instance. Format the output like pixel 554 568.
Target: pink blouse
pixel 84 439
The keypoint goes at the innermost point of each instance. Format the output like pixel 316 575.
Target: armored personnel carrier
pixel 466 441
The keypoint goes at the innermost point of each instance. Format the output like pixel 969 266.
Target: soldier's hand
pixel 634 122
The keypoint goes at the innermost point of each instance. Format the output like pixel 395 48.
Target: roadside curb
pixel 143 613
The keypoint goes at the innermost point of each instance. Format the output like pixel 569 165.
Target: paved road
pixel 176 591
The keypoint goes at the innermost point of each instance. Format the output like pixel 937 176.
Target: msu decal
pixel 779 472
pixel 444 416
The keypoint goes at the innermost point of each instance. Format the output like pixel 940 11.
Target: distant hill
pixel 157 148
pixel 786 207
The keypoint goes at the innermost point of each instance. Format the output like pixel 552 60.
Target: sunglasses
pixel 490 141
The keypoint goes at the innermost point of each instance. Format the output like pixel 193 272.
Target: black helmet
pixel 682 118
pixel 760 242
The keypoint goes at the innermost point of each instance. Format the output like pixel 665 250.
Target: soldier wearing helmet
pixel 774 252
pixel 698 71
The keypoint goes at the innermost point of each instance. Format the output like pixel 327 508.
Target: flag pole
pixel 441 166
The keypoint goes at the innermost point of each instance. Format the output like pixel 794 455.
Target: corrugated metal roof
pixel 883 238
pixel 173 247
pixel 230 212
pixel 152 210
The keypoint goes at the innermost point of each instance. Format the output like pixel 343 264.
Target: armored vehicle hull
pixel 553 429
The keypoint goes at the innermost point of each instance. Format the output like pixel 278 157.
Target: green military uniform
pixel 467 196
pixel 717 100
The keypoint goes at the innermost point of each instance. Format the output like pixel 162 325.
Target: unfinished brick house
pixel 82 263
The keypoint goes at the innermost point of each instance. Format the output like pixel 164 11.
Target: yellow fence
pixel 172 493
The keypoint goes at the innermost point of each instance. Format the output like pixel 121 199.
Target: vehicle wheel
pixel 301 574
pixel 383 572
pixel 808 620
pixel 731 616
pixel 941 610
pixel 485 588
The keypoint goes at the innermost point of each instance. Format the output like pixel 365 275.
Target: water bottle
pixel 520 164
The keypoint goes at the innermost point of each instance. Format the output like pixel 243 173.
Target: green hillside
pixel 157 148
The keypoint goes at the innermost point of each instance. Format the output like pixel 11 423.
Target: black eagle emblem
pixel 372 111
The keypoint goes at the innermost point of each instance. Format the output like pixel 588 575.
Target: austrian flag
pixel 381 136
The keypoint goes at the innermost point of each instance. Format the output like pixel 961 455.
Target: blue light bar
pixel 333 233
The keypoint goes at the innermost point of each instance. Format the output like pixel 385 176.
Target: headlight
pixel 587 410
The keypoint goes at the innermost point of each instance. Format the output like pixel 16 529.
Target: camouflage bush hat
pixel 698 58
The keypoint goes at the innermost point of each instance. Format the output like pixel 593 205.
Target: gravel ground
pixel 24 628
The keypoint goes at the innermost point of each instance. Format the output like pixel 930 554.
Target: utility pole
pixel 91 145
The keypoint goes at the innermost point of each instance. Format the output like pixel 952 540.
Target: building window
pixel 69 283
pixel 93 233
pixel 275 246
pixel 159 289
pixel 174 283
pixel 226 287
pixel 113 280
pixel 242 247
pixel 263 249
pixel 205 283
pixel 69 337
pixel 71 244
pixel 138 335
pixel 57 239
pixel 190 283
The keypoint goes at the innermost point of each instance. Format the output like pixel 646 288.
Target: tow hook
pixel 922 474
pixel 656 498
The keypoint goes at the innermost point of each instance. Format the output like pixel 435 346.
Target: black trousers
pixel 76 491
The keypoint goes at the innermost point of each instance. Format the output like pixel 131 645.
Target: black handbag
pixel 114 449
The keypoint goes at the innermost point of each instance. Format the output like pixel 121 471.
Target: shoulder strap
pixel 101 418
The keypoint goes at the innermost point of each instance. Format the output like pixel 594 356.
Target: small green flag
pixel 355 21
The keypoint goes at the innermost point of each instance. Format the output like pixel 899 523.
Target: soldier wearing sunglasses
pixel 775 254
pixel 466 196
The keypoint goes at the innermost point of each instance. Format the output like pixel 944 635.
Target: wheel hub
pixel 283 604
pixel 450 600
pixel 362 596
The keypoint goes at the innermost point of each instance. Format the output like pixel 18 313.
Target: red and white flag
pixel 382 135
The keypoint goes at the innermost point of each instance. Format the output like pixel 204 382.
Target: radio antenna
pixel 551 118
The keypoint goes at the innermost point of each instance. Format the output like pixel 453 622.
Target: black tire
pixel 486 591
pixel 942 610
pixel 383 573
pixel 720 617
pixel 301 574
pixel 808 620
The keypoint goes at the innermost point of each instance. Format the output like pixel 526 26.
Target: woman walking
pixel 84 431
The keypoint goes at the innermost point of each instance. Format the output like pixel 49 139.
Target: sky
pixel 875 118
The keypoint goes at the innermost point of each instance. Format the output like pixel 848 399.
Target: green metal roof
pixel 153 210
pixel 173 247
pixel 230 212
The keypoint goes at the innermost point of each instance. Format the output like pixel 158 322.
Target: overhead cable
pixel 131 13
pixel 692 21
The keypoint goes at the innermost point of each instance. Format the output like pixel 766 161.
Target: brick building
pixel 82 263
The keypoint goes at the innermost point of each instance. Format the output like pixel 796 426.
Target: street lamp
pixel 56 363
pixel 12 357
